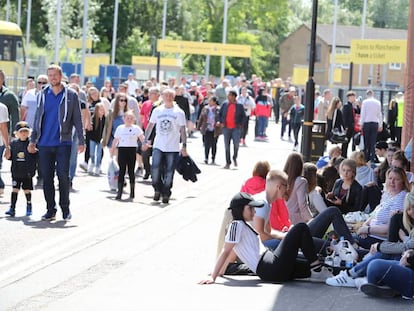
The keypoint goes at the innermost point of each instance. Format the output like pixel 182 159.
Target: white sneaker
pixel 320 277
pixel 91 167
pixel 341 280
pixel 84 166
pixel 360 281
pixel 97 171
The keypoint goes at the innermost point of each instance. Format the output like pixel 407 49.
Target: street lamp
pixel 223 58
pixel 57 34
pixel 114 31
pixel 164 26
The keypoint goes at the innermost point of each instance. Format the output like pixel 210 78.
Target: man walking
pixel 371 122
pixel 58 111
pixel 231 118
pixel 348 116
pixel 169 121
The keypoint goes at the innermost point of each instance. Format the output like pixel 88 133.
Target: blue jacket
pixel 239 114
pixel 69 116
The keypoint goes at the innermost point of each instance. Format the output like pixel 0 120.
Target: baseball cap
pixel 193 83
pixel 292 89
pixel 381 145
pixel 22 125
pixel 242 198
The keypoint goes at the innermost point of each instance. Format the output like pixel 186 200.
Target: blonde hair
pixel 332 107
pixel 359 158
pixel 408 222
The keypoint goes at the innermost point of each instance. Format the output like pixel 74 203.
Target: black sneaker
pixel 11 212
pixel 157 196
pixel 67 216
pixel 165 199
pixel 378 291
pixel 49 216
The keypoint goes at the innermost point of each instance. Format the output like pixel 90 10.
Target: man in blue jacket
pixel 58 111
pixel 231 117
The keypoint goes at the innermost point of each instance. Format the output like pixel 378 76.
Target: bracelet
pixel 369 229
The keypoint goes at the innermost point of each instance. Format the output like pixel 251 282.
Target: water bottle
pixel 333 244
pixel 337 260
pixel 349 260
pixel 329 261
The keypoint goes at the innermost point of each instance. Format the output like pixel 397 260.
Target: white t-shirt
pixel 262 212
pixel 168 122
pixel 132 86
pixel 29 101
pixel 128 136
pixel 4 117
pixel 248 246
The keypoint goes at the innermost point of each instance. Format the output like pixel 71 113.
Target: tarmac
pixel 141 255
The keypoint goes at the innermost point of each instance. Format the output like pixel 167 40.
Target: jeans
pixel 95 150
pixel 271 244
pixel 285 122
pixel 1 163
pixel 366 242
pixel 261 126
pixel 163 168
pixel 360 270
pixel 210 142
pixel 231 134
pixel 55 159
pixel 331 215
pixel 390 273
pixel 73 157
pixel 370 138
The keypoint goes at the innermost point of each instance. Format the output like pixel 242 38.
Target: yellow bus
pixel 12 56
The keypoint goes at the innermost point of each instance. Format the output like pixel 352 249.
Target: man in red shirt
pixel 231 118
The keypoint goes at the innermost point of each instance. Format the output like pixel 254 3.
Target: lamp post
pixel 164 26
pixel 84 34
pixel 223 58
pixel 114 32
pixel 57 34
pixel 310 90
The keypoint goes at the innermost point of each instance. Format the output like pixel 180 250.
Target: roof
pixel 8 28
pixel 345 33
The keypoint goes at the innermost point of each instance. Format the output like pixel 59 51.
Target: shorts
pixel 24 183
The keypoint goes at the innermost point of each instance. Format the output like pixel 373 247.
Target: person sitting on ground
pixel 316 201
pixel 364 173
pixel 382 151
pixel 280 265
pixel 334 152
pixel 297 189
pixel 329 174
pixel 389 250
pixel 400 160
pixel 346 192
pixel 375 229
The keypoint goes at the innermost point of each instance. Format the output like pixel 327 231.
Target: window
pixel 395 66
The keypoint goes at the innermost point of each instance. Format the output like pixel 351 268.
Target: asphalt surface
pixel 141 255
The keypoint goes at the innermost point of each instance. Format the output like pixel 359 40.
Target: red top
pixel 231 116
pixel 279 216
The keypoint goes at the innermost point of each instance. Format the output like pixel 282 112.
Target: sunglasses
pixel 122 100
pixel 41 82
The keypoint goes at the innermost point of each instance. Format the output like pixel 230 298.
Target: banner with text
pixel 378 51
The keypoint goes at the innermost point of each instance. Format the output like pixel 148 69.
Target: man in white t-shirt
pixel 132 85
pixel 169 122
pixel 4 138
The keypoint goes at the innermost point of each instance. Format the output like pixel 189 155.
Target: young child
pixel 95 139
pixel 22 168
pixel 125 138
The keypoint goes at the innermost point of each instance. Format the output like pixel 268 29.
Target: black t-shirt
pixel 23 162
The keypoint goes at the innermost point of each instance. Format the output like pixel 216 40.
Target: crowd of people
pixel 277 225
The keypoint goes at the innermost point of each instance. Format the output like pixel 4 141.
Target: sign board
pixel 342 58
pixel 77 43
pixel 148 60
pixel 300 75
pixel 204 48
pixel 378 51
pixel 92 62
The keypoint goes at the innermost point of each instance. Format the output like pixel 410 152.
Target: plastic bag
pixel 113 174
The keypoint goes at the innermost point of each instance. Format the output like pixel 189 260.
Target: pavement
pixel 141 255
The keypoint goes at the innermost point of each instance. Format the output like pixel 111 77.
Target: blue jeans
pixel 162 171
pixel 55 159
pixel 360 270
pixel 370 138
pixel 95 151
pixel 73 157
pixel 261 125
pixel 1 163
pixel 390 273
pixel 271 244
pixel 231 134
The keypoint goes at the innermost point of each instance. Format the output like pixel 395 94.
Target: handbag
pixel 337 136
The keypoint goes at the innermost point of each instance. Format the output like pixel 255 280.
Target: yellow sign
pixel 338 75
pixel 92 62
pixel 300 75
pixel 77 43
pixel 203 48
pixel 147 60
pixel 378 51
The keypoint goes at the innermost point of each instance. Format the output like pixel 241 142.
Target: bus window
pixel 19 52
pixel 7 50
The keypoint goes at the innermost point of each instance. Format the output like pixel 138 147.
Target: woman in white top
pixel 126 139
pixel 316 202
pixel 279 265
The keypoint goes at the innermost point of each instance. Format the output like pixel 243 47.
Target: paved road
pixel 145 256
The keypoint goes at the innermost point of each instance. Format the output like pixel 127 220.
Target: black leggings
pixel 210 142
pixel 126 159
pixel 282 264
